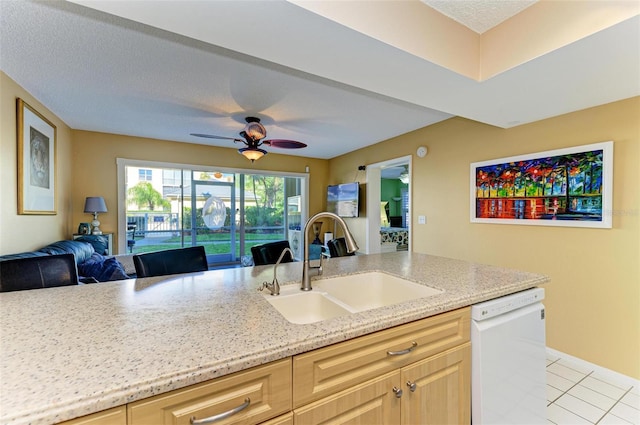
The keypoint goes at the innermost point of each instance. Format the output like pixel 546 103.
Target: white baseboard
pixel 610 375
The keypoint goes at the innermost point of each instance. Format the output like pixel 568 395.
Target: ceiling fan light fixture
pixel 255 130
pixel 252 154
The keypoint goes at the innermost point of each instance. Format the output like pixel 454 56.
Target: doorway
pixel 389 219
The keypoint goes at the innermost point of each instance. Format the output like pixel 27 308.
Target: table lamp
pixel 94 205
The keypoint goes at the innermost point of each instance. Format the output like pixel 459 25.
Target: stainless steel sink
pixel 339 296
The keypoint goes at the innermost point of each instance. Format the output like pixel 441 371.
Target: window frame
pixel 122 163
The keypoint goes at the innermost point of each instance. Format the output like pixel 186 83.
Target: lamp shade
pixel 252 153
pixel 95 204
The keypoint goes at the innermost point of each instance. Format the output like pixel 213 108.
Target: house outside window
pixel 145 175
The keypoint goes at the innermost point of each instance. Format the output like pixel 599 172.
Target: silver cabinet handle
pixel 405 351
pixel 412 386
pixel 397 391
pixel 220 416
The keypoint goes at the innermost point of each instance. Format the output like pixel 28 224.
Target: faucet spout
pixel 350 242
pixel 274 286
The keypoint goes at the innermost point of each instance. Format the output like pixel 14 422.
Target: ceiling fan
pixel 253 135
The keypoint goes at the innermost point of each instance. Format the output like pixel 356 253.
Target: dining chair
pixel 38 272
pixel 171 261
pixel 269 253
pixel 338 248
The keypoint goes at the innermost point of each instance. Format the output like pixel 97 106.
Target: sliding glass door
pixel 227 212
pixel 213 225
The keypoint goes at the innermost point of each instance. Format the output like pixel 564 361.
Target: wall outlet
pixel 422 219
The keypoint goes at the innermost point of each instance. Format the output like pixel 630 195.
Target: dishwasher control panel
pixel 498 306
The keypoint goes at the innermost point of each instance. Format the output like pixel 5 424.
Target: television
pixel 343 199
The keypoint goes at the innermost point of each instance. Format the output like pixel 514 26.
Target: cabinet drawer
pixel 281 420
pixel 115 416
pixel 327 370
pixel 267 387
pixel 372 402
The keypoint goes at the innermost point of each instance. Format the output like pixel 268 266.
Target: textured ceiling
pixel 479 15
pixel 166 71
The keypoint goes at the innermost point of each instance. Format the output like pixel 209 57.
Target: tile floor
pixel 580 394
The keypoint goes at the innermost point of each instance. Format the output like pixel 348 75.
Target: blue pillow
pixel 102 269
pixel 100 243
pixel 113 270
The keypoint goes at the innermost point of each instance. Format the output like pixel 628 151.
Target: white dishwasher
pixel 508 360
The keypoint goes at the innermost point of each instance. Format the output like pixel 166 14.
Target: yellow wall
pixel 95 173
pixel 593 301
pixel 27 232
pixel 86 166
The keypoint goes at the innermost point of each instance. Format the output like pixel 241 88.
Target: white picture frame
pixel 570 187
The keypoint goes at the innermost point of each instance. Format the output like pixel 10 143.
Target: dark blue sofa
pixel 90 262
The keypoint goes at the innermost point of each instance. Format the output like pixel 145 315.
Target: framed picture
pixel 564 187
pixel 84 229
pixel 36 162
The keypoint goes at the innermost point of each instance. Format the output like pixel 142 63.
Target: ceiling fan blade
pixel 284 144
pixel 211 136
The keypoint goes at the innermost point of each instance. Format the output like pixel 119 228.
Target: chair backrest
pixel 171 261
pixel 338 248
pixel 38 272
pixel 269 253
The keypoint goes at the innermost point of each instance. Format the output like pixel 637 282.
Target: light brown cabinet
pixel 115 416
pixel 414 373
pixel 372 402
pixel 247 397
pixel 438 390
pixel 286 419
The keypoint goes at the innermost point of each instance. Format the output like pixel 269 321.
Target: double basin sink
pixel 344 295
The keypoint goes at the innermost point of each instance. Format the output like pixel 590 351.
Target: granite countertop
pixel 70 351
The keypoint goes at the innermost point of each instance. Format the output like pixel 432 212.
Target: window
pixel 171 177
pixel 227 211
pixel 144 175
pixel 405 207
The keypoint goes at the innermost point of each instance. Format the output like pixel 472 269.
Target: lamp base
pixel 96 226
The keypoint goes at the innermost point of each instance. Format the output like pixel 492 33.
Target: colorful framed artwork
pixel 36 162
pixel 564 187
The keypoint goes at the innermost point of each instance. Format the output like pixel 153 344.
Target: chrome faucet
pixel 274 286
pixel 352 246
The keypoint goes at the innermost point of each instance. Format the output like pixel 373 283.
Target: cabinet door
pixel 438 390
pixel 256 395
pixel 370 403
pixel 115 416
pixel 325 371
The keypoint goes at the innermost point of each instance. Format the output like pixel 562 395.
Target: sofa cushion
pixel 28 254
pixel 102 269
pixel 100 243
pixel 81 250
pixel 127 263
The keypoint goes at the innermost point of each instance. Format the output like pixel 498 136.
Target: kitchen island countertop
pixel 71 351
